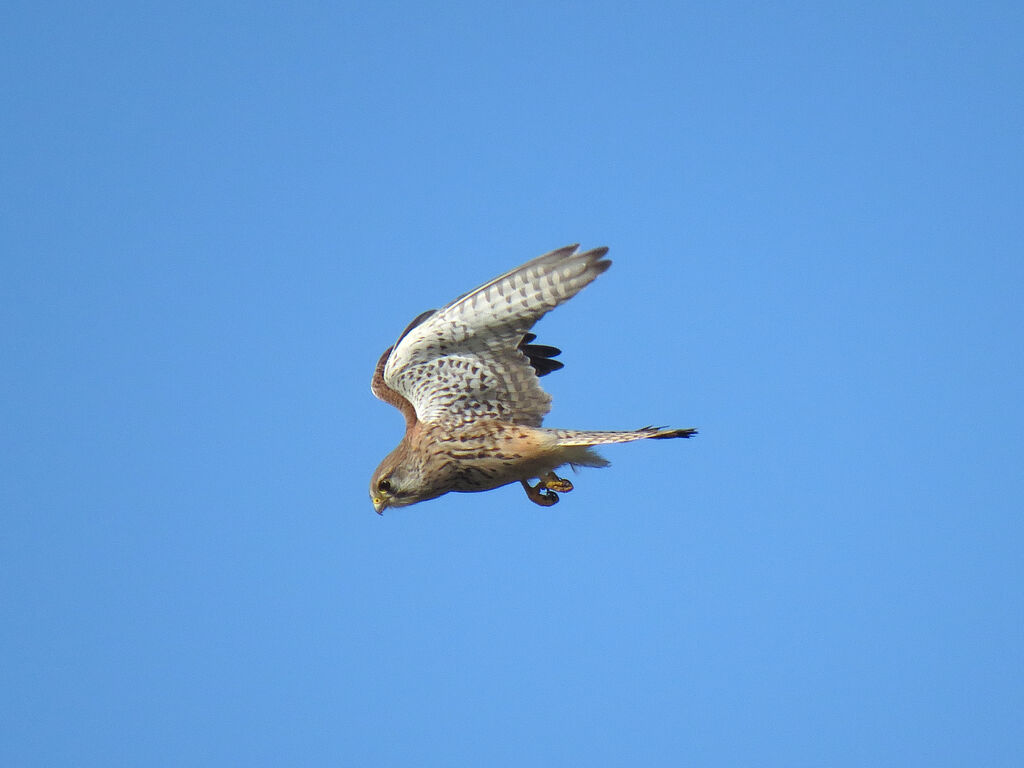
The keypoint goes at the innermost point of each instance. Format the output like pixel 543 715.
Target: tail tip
pixel 661 433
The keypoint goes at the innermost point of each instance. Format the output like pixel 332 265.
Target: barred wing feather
pixel 463 362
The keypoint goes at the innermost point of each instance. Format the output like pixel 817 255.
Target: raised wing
pixel 466 361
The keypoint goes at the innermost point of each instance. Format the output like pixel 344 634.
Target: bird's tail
pixel 570 437
pixel 572 446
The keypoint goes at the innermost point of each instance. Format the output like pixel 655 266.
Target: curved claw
pixel 539 494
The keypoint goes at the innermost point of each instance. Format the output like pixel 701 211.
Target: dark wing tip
pixel 594 257
pixel 598 263
pixel 540 355
pixel 543 366
pixel 540 350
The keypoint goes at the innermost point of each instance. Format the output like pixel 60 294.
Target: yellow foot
pixel 539 494
pixel 553 482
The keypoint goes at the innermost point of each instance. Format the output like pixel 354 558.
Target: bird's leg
pixel 539 494
pixel 553 482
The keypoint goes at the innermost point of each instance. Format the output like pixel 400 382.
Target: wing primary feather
pixel 540 350
pixel 540 355
pixel 543 366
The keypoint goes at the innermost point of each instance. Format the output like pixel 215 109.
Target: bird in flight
pixel 466 379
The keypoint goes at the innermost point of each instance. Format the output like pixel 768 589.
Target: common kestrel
pixel 466 379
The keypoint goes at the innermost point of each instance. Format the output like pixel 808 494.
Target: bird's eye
pixel 384 486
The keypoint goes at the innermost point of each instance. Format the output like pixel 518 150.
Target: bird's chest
pixel 483 455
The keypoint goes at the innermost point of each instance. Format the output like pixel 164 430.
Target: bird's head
pixel 400 480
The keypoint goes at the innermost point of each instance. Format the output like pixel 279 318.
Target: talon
pixel 548 498
pixel 553 482
pixel 538 494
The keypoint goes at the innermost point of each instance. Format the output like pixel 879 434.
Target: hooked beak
pixel 379 504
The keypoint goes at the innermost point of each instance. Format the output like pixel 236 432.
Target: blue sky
pixel 216 216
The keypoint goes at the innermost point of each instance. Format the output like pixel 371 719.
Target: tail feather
pixel 571 437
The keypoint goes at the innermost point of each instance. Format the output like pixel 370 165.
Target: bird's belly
pixel 482 475
pixel 497 456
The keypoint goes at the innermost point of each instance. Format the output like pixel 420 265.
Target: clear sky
pixel 215 217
